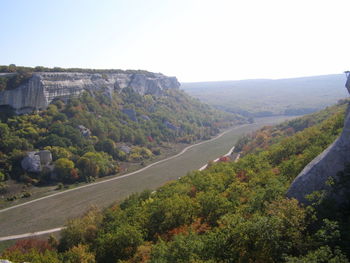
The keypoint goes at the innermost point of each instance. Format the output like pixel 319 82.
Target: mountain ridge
pixel 266 97
pixel 41 88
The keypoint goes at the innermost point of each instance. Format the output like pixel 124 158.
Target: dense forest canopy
pixel 230 212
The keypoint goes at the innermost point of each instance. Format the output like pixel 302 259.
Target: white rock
pixel 44 87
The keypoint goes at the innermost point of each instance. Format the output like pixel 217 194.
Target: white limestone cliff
pixel 44 87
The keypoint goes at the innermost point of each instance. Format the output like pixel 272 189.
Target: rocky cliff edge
pixel 334 159
pixel 43 87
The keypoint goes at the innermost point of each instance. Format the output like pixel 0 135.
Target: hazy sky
pixel 193 40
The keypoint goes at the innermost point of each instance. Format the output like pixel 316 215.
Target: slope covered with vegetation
pixel 86 135
pixel 266 97
pixel 230 212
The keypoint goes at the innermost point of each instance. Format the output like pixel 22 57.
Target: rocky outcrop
pixel 125 149
pixel 35 161
pixel 334 159
pixel 131 113
pixel 145 117
pixel 43 87
pixel 84 131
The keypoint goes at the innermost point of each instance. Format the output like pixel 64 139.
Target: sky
pixel 204 40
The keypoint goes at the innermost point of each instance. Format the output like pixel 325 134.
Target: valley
pixel 174 132
pixel 34 216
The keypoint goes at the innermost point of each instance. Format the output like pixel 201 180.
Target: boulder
pixel 31 163
pixel 45 157
pixel 125 149
pixel 171 126
pixel 145 117
pixel 84 131
pixel 35 161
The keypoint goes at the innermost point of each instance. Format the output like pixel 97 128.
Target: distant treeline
pixel 261 98
pixel 13 68
pixel 248 114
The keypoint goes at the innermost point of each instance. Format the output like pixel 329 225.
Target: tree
pixel 107 146
pixel 95 164
pixel 4 130
pixel 63 169
pixel 81 230
pixel 79 254
pixel 54 140
pixel 2 176
pixel 120 244
pixel 169 213
pixel 323 254
pixel 183 249
pixel 58 152
pixel 213 206
pixel 31 250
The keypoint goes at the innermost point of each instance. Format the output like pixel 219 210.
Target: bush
pixel 11 198
pixel 63 168
pixel 2 177
pixel 26 195
pixel 3 188
pixel 59 186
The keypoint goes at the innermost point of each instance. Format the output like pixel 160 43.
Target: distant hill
pixel 264 97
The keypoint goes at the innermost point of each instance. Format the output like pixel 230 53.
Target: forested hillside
pixel 266 97
pixel 262 139
pixel 90 136
pixel 230 212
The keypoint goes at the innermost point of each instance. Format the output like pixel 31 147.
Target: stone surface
pixel 334 159
pixel 130 113
pixel 145 117
pixel 125 149
pixel 84 131
pixel 44 87
pixel 171 126
pixel 45 157
pixel 347 85
pixel 35 161
pixel 31 163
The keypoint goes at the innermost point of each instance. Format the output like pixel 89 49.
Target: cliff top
pixel 12 76
pixel 21 69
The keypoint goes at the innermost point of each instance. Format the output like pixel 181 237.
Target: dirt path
pixel 34 234
pixel 125 175
pixel 51 212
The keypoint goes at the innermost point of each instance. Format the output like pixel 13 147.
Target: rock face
pixel 84 131
pixel 131 114
pixel 31 163
pixel 44 87
pixel 35 161
pixel 171 126
pixel 334 159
